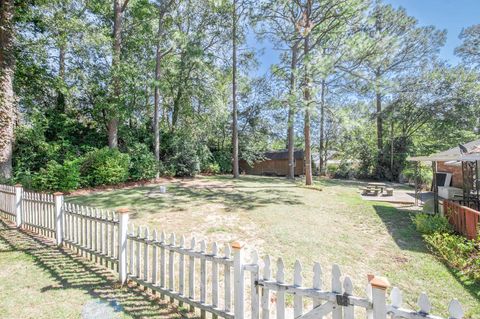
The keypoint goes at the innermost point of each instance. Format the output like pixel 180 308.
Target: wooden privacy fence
pixel 464 220
pixel 216 281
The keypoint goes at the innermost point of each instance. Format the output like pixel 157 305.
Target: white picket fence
pixel 217 281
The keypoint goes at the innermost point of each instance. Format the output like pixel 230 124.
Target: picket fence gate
pixel 217 281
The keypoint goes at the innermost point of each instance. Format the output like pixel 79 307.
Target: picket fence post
pixel 122 244
pixel 18 205
pixel 58 197
pixel 378 296
pixel 238 281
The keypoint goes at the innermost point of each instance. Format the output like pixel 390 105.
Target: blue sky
pixel 451 15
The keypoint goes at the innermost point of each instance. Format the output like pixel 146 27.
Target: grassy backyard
pixel 281 218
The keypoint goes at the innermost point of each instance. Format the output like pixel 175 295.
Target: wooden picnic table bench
pixel 376 185
pixel 370 191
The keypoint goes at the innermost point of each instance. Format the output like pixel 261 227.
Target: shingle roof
pixel 456 150
pixel 452 154
pixel 283 155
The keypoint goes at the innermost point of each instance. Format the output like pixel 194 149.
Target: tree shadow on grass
pixel 234 199
pixel 246 197
pixel 402 229
pixel 73 272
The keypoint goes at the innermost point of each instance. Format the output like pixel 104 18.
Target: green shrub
pixel 344 170
pixel 143 164
pixel 180 155
pixel 105 166
pixel 167 170
pixel 186 161
pixel 332 169
pixel 57 177
pixel 224 161
pixel 429 224
pixel 459 252
pixel 212 168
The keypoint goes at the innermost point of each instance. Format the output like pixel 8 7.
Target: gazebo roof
pixel 453 154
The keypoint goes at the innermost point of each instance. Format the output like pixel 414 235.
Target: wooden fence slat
pixel 317 282
pixel 181 271
pixel 162 260
pixel 337 288
pixel 191 274
pixel 132 249
pixel 297 282
pixel 155 258
pixel 280 277
pixel 146 260
pixel 228 279
pixel 138 261
pixel 112 239
pixel 96 234
pixel 214 278
pixel 255 297
pixel 348 311
pixel 265 291
pixel 203 278
pixel 171 266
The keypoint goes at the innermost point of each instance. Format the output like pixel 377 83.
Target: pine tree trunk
pixel 378 101
pixel 234 94
pixel 321 149
pixel 7 98
pixel 392 148
pixel 307 99
pixel 156 115
pixel 291 114
pixel 117 46
pixel 61 75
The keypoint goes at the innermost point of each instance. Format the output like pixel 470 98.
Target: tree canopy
pixel 166 87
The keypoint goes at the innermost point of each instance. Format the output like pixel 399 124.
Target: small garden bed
pixel 455 250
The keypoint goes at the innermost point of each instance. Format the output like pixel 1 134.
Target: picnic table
pixel 377 185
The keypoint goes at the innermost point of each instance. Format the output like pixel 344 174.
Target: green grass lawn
pixel 37 280
pixel 279 218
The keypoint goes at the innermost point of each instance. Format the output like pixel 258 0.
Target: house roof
pixel 452 154
pixel 283 155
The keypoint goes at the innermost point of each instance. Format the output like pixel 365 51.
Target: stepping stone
pixel 98 309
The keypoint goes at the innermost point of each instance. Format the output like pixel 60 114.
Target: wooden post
pixel 238 281
pixel 58 197
pixel 435 188
pixel 18 204
pixel 379 296
pixel 122 244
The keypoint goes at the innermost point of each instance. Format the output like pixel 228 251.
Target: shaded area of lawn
pixel 54 283
pixel 401 228
pixel 248 194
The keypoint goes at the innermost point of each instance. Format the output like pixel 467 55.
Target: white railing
pixel 169 267
pixel 212 280
pixel 92 232
pixel 38 213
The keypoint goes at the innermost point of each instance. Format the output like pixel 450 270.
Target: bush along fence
pixel 217 281
pixel 464 220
